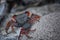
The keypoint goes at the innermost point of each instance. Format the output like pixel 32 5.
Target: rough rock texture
pixel 49 26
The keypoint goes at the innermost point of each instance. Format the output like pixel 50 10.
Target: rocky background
pixel 47 29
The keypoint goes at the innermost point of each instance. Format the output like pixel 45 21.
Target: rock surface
pixel 47 29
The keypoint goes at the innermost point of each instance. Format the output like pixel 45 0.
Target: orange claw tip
pixel 28 13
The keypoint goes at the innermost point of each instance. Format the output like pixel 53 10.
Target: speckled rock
pixel 49 26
